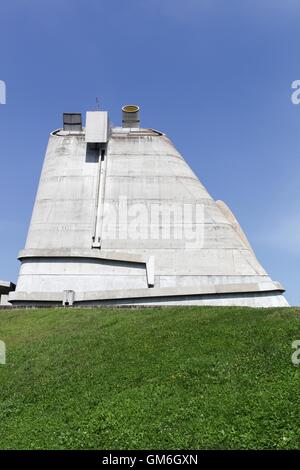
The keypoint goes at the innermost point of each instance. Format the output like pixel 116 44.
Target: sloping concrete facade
pixel 126 221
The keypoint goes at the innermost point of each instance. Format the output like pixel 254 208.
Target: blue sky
pixel 215 75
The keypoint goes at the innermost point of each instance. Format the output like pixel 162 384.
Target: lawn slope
pixel 196 377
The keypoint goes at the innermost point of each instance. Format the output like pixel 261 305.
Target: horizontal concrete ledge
pixel 83 253
pixel 149 293
pixel 119 256
pixel 114 132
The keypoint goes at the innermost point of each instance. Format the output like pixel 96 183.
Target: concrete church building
pixel 121 219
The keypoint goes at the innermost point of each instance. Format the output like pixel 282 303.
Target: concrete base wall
pixel 254 294
pixel 88 275
pixel 262 300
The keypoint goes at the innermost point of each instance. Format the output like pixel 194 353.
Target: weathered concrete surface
pixel 97 127
pixel 226 294
pixel 72 243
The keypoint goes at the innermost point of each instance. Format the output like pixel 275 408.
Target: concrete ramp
pixel 5 288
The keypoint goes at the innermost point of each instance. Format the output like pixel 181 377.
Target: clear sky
pixel 215 75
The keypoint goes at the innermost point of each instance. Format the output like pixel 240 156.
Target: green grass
pixel 205 378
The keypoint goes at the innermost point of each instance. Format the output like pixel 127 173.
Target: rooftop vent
pixel 72 122
pixel 131 116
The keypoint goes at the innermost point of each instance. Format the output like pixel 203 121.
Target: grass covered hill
pixel 152 378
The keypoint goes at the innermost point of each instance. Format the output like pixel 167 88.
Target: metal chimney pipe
pixel 130 116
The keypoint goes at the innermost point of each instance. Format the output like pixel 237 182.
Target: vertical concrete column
pixel 99 197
